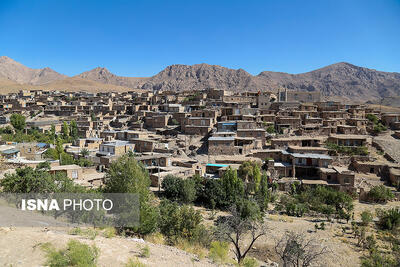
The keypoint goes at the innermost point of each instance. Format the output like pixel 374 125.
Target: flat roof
pixel 221 138
pixel 65 167
pixel 217 165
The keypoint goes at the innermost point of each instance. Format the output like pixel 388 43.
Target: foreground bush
pixel 380 194
pixel 76 254
pixel 389 219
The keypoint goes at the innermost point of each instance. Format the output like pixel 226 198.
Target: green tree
pixel 73 130
pixel 250 173
pixel 263 194
pixel 126 175
pixel 178 221
pixel 65 131
pixel 18 122
pixel 233 187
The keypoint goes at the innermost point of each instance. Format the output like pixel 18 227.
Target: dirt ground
pixel 21 247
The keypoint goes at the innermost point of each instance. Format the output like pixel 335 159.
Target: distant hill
pixel 14 71
pixel 341 81
pixel 103 75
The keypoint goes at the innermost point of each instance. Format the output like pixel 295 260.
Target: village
pixel 298 141
pixel 294 135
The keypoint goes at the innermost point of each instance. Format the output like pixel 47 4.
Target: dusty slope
pixel 21 247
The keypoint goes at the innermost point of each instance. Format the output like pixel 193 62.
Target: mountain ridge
pixel 341 80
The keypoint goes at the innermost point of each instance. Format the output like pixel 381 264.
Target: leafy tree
pixel 18 121
pixel 232 186
pixel 126 175
pixel 178 221
pixel 53 133
pixel 43 165
pixel 372 118
pixel 250 172
pixel 29 180
pixel 66 159
pixel 172 186
pixel 214 194
pixel 65 131
pixel 73 130
pixel 263 194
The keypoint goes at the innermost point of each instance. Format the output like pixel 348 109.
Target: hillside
pixel 14 71
pixel 341 80
pixel 103 75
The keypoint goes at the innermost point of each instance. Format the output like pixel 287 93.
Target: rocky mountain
pixel 103 75
pixel 341 80
pixel 200 76
pixel 14 71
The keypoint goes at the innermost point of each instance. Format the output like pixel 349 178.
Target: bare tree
pixel 236 230
pixel 295 250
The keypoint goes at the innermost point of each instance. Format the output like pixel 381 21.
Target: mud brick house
pixel 258 134
pixel 347 129
pixel 162 160
pixel 299 141
pixel 285 95
pixel 391 120
pixel 115 148
pixel 89 143
pixel 156 121
pixel 171 108
pixel 205 113
pixel 287 122
pixel 348 140
pixel 44 125
pixel 198 125
pixel 230 145
pixel 338 177
pixel 32 151
pixel 72 171
pixel 143 145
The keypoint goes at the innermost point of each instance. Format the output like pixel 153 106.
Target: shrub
pixel 155 238
pixel 366 217
pixel 249 262
pixel 134 263
pixel 145 252
pixel 76 254
pixel 172 187
pixel 380 194
pixel 389 219
pixel 219 251
pixel 109 232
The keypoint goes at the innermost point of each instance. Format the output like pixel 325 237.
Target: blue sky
pixel 140 38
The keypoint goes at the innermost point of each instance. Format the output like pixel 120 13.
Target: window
pixel 346 180
pixel 74 174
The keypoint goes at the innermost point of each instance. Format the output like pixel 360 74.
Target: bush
pixel 380 194
pixel 155 238
pixel 389 219
pixel 219 251
pixel 145 252
pixel 366 217
pixel 76 254
pixel 249 262
pixel 134 263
